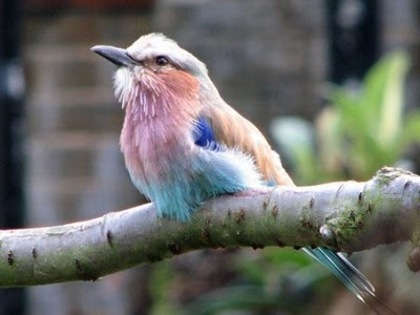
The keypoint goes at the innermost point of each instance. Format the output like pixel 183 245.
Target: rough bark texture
pixel 346 216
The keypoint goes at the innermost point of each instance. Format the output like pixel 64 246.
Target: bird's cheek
pixel 179 81
pixel 137 73
pixel 143 75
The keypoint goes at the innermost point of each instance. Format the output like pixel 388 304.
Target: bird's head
pixel 155 72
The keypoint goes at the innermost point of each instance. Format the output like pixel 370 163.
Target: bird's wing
pixel 233 130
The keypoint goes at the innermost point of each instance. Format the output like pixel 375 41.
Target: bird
pixel 183 144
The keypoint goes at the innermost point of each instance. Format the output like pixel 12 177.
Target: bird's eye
pixel 161 60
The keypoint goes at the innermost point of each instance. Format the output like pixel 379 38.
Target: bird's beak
pixel 117 56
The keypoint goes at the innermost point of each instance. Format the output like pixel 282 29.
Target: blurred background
pixel 334 85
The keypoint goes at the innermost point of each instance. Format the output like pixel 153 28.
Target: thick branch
pixel 346 216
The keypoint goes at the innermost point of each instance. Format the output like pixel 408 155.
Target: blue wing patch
pixel 204 136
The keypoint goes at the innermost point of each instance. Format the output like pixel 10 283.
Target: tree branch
pixel 345 216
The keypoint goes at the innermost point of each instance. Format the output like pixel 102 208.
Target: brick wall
pixel 75 170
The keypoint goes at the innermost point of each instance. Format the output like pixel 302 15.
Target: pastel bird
pixel 183 144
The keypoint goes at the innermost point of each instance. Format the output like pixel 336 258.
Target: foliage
pixel 162 274
pixel 362 130
pixel 269 280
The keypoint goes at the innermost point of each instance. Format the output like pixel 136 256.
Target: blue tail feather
pixel 352 278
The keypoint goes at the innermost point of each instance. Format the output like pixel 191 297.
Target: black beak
pixel 117 56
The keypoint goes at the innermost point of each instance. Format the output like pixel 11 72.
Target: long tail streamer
pixel 350 277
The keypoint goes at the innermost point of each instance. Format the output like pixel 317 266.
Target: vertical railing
pixel 12 301
pixel 353 30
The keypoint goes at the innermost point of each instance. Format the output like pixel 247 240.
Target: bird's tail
pixel 352 278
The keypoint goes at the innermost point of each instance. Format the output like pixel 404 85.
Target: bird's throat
pixel 160 114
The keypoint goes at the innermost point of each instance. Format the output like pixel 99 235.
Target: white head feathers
pixel 156 44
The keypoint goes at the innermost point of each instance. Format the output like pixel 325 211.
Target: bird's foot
pixel 250 192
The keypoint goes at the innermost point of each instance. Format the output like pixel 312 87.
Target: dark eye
pixel 161 60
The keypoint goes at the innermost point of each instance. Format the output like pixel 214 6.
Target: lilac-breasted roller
pixel 182 143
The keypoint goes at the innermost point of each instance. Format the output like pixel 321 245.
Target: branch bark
pixel 345 216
